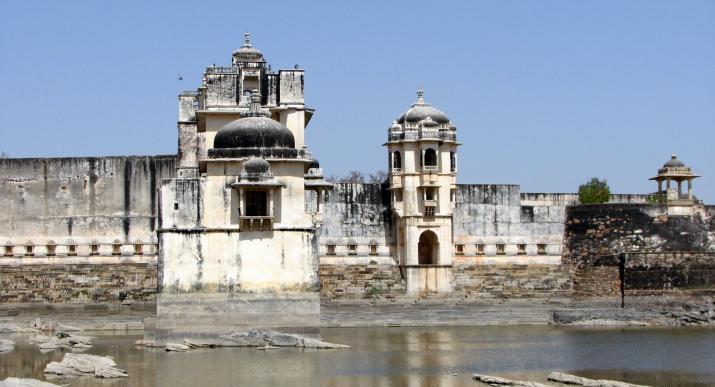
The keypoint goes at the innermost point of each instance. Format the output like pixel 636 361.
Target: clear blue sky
pixel 544 93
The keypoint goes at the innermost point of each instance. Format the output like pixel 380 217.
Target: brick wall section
pixel 78 283
pixel 360 281
pixel 665 253
pixel 511 281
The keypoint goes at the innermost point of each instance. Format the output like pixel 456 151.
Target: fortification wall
pixel 80 229
pixel 662 253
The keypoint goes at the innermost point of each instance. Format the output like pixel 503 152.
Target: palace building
pixel 239 228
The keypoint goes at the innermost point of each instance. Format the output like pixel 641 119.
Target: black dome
pixel 254 132
pixel 256 166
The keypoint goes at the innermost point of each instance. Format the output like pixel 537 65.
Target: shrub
pixel 594 191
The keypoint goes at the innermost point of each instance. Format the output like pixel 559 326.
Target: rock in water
pixel 176 347
pixel 497 381
pixel 261 337
pixel 61 340
pixel 22 382
pixel 6 345
pixel 579 381
pixel 74 364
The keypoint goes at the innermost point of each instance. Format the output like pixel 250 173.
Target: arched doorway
pixel 428 248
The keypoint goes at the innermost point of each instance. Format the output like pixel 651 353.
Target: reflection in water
pixel 444 357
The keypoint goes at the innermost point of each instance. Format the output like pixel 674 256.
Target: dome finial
pixel 673 156
pixel 247 39
pixel 420 95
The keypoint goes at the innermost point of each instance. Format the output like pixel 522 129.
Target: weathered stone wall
pixel 80 201
pixel 78 283
pixel 360 281
pixel 80 230
pixel 510 280
pixel 662 252
pixel 358 214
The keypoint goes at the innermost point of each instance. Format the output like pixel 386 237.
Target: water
pixel 409 357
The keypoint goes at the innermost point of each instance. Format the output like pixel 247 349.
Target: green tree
pixel 594 191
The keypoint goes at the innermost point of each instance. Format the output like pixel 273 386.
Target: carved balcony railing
pixel 430 168
pixel 221 70
pixel 414 134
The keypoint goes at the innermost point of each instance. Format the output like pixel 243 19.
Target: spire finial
pixel 673 156
pixel 420 95
pixel 247 39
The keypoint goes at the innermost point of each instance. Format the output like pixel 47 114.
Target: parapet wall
pixel 660 252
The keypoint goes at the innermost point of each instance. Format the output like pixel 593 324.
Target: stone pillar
pixel 660 187
pixel 680 184
pixel 690 189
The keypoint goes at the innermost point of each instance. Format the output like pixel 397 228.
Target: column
pixel 690 189
pixel 680 183
pixel 660 187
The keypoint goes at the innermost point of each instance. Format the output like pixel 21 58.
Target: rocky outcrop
pixel 74 365
pixel 22 382
pixel 6 345
pixel 497 381
pixel 61 340
pixel 579 381
pixel 256 338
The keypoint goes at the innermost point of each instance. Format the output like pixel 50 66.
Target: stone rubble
pixel 74 365
pixel 175 347
pixel 23 382
pixel 61 340
pixel 6 345
pixel 579 381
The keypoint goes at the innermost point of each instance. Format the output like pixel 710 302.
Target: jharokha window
pixel 94 248
pixel 373 248
pixel 256 203
pixel 116 248
pixel 541 249
pixel 352 249
pixel 521 249
pixel 29 249
pixel 71 249
pixel 8 250
pixel 480 248
pixel 459 249
pixel 330 249
pixel 501 249
pixel 138 248
pixel 51 249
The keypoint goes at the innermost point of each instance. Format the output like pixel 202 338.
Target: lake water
pixel 409 357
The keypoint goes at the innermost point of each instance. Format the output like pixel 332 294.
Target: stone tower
pixel 422 148
pixel 238 226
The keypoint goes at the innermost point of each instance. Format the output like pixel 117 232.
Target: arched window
pixel 29 249
pixel 138 247
pixel 430 157
pixel 396 161
pixel 71 247
pixel 452 162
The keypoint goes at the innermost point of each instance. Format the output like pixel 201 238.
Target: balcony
pixel 256 223
pixel 430 203
pixel 430 168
